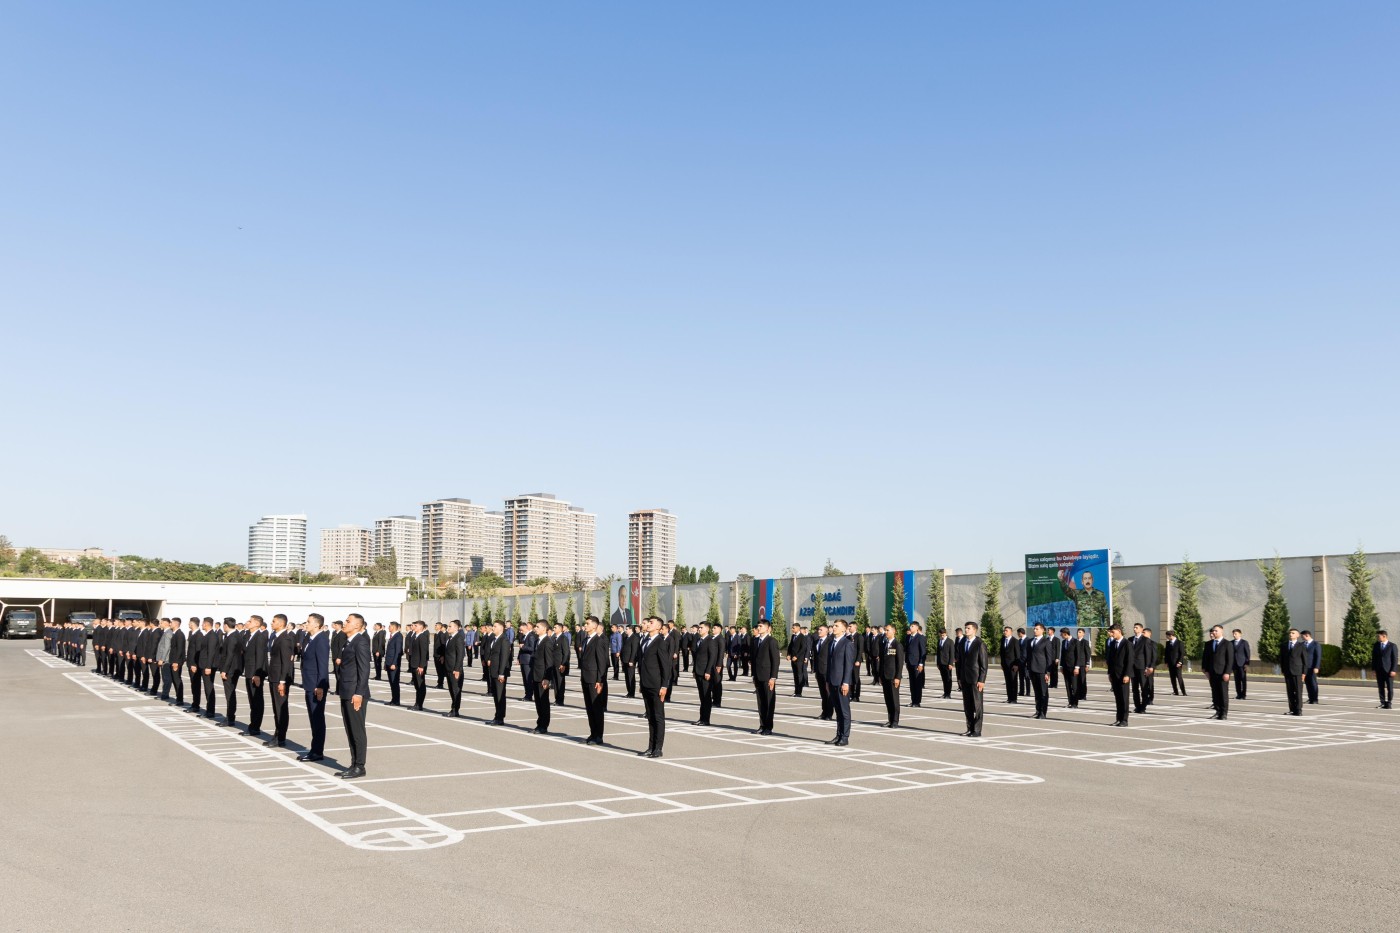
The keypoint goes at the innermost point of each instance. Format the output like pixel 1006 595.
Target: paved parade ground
pixel 124 813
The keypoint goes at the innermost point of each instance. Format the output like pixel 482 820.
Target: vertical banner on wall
pixel 763 600
pixel 1068 589
pixel 634 602
pixel 906 577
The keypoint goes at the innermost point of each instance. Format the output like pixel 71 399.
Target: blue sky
pixel 898 284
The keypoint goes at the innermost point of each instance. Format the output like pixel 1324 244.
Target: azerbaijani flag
pixel 763 600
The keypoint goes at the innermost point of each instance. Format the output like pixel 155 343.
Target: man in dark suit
pixel 1383 665
pixel 821 659
pixel 1118 658
pixel 631 650
pixel 1217 658
pixel 1023 686
pixel 593 677
pixel 1314 655
pixel 417 662
pixel 891 666
pixel 231 668
pixel 440 653
pixel 840 673
pixel 673 638
pixel 499 659
pixel 255 672
pixel 946 654
pixel 353 690
pixel 1240 664
pixel 716 656
pixel 453 657
pixel 211 657
pixel 338 640
pixel 1055 644
pixel 915 654
pixel 377 644
pixel 1139 647
pixel 797 652
pixel 316 683
pixel 565 654
pixel 176 661
pixel 194 654
pixel 393 658
pixel 524 658
pixel 857 640
pixel 765 662
pixel 1149 674
pixel 1293 663
pixel 704 672
pixel 970 659
pixel 280 676
pixel 622 615
pixel 1038 661
pixel 1174 657
pixel 1010 663
pixel 543 663
pixel 1086 655
pixel 1069 664
pixel 654 677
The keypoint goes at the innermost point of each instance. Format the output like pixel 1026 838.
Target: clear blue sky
pixel 898 284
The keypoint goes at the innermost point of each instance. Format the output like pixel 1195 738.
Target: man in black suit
pixel 417 662
pixel 1383 665
pixel 255 672
pixel 970 659
pixel 176 661
pixel 1217 658
pixel 654 676
pixel 857 641
pixel 765 659
pixel 1069 666
pixel 1139 648
pixel 1038 661
pixel 1086 656
pixel 499 659
pixel 797 651
pixel 704 673
pixel 543 662
pixel 393 657
pixel 821 657
pixel 1149 674
pixel 673 638
pixel 716 667
pixel 1174 657
pixel 338 640
pixel 377 644
pixel 1240 663
pixel 593 677
pixel 316 682
pixel 194 654
pixel 524 659
pixel 440 653
pixel 565 655
pixel 840 668
pixel 1023 680
pixel 453 657
pixel 631 649
pixel 945 653
pixel 211 659
pixel 1055 644
pixel 281 673
pixel 1010 663
pixel 231 668
pixel 1118 658
pixel 915 654
pixel 1293 664
pixel 891 667
pixel 1314 651
pixel 353 690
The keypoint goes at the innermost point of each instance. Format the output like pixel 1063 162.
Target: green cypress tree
pixel 534 611
pixel 1361 622
pixel 1186 621
pixel 486 613
pixel 553 612
pixel 897 615
pixel 992 621
pixel 587 608
pixel 501 613
pixel 743 619
pixel 779 619
pixel 712 614
pixel 680 612
pixel 476 613
pixel 1273 625
pixel 570 622
pixel 819 607
pixel 862 616
pixel 653 603
pixel 937 605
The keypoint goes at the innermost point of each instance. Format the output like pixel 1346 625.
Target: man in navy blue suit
pixel 1314 655
pixel 1384 666
pixel 840 662
pixel 316 681
pixel 393 655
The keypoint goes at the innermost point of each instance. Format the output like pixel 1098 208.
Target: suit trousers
pixel 1178 680
pixel 767 702
pixel 825 690
pixel 716 689
pixel 179 682
pixel 498 693
pixel 542 704
pixel 855 684
pixel 527 674
pixel 1082 691
pixel 196 686
pixel 798 669
pixel 230 697
pixel 916 684
pixel 394 682
pixel 1149 686
pixel 972 706
pixel 167 679
pixel 1012 678
pixel 255 706
pixel 629 677
pixel 454 689
pixel 656 718
pixel 1055 675
pixel 841 706
pixel 1241 681
pixel 378 666
pixel 1138 705
pixel 281 712
pixel 945 672
pixel 617 666
pixel 316 712
pixel 732 667
pixel 355 729
pixel 1310 681
pixel 1120 699
pixel 153 667
pixel 420 687
pixel 594 703
pixel 1042 693
pixel 1385 686
pixel 561 682
pixel 1219 694
pixel 1294 686
pixel 209 695
pixel 891 699
pixel 702 686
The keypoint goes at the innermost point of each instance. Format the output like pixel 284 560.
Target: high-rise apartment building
pixel 547 537
pixel 459 537
pixel 277 544
pixel 344 549
pixel 401 535
pixel 651 547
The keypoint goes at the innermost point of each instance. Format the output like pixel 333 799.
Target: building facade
pixel 277 544
pixel 651 547
pixel 545 537
pixel 459 538
pixel 402 536
pixel 345 549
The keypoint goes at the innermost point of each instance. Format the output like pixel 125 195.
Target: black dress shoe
pixel 975 735
pixel 539 732
pixel 842 742
pixel 274 743
pixel 699 722
pixel 653 754
pixel 831 741
pixel 591 741
pixel 308 756
pixel 393 703
pixel 645 754
pixel 350 773
pixel 452 714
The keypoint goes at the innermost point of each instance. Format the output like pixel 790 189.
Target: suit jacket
pixel 915 650
pixel 1039 659
pixel 353 679
pixel 1293 658
pixel 705 657
pixel 377 642
pixel 1119 659
pixel 654 664
pixel 1383 658
pixel 1217 661
pixel 765 659
pixel 821 657
pixel 528 645
pixel 545 659
pixel 418 650
pixel 1010 651
pixel 177 647
pixel 280 667
pixel 1314 655
pixel 233 653
pixel 798 649
pixel 1173 653
pixel 1138 647
pixel 499 657
pixel 594 659
pixel 316 663
pixel 1241 652
pixel 208 656
pixel 945 651
pixel 631 646
pixel 840 661
pixel 454 653
pixel 971 662
pixel 891 658
pixel 337 645
pixel 255 654
pixel 393 649
pixel 1070 655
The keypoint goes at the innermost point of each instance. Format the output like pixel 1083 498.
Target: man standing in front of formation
pixel 353 688
pixel 316 683
pixel 654 677
pixel 765 677
pixel 970 658
pixel 840 673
